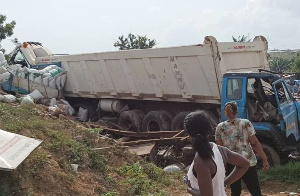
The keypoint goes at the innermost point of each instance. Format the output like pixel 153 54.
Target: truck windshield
pixel 17 57
pixel 234 88
pixel 40 52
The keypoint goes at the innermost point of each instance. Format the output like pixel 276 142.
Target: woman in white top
pixel 206 175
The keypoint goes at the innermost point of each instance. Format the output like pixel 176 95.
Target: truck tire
pixel 212 118
pixel 157 121
pixel 272 155
pixel 140 112
pixel 131 120
pixel 177 122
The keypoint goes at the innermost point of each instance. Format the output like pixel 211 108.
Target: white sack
pixel 82 114
pixel 26 100
pixel 2 69
pixel 46 81
pixel 9 98
pixel 33 70
pixel 4 76
pixel 38 80
pixel 71 110
pixel 57 82
pixel 53 102
pixel 36 95
pixel 52 83
pixel 63 80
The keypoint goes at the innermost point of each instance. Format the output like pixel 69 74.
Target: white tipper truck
pixel 149 89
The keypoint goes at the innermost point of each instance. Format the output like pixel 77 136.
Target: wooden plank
pixel 142 149
pixel 175 139
pixel 150 134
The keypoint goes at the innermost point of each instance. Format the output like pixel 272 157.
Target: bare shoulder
pixel 201 163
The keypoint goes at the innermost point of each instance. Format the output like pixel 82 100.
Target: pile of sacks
pixel 51 76
pixel 60 106
pixel 26 99
pixel 55 107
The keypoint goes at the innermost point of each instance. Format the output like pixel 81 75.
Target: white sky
pixel 81 26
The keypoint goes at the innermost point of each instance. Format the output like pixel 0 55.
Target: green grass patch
pixel 110 194
pixel 97 161
pixel 146 179
pixel 289 172
pixel 37 160
pixel 66 143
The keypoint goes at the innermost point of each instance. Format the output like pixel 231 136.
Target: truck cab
pixel 265 100
pixel 33 55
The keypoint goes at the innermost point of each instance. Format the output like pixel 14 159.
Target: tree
pixel 134 42
pixel 296 63
pixel 279 64
pixel 241 39
pixel 6 29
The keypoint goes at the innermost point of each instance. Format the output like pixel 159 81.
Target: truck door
pixel 287 110
pixel 234 89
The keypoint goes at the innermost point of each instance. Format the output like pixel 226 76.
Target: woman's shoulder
pixel 222 124
pixel 243 120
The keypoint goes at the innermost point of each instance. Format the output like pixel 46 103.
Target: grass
pixel 65 143
pixel 143 179
pixel 116 171
pixel 286 173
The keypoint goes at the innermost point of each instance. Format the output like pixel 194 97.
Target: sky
pixel 73 26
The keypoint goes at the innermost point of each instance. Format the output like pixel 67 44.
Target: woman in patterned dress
pixel 238 135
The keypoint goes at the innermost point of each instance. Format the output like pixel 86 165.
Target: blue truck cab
pixel 265 100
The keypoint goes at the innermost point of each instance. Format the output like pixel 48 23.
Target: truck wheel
pixel 272 155
pixel 140 112
pixel 177 122
pixel 131 120
pixel 157 121
pixel 213 119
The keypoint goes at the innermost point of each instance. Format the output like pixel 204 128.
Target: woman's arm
pixel 193 192
pixel 241 166
pixel 202 168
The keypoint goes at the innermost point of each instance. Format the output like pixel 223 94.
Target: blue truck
pixel 265 99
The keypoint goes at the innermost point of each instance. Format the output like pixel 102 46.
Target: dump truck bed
pixel 181 74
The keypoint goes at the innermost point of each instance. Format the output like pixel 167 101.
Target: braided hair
pixel 198 126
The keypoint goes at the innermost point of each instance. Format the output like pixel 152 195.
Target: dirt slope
pixel 48 171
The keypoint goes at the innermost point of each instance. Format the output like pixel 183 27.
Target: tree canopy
pixel 134 42
pixel 279 64
pixel 242 38
pixel 6 29
pixel 296 63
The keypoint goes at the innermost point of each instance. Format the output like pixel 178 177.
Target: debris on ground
pixel 14 149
